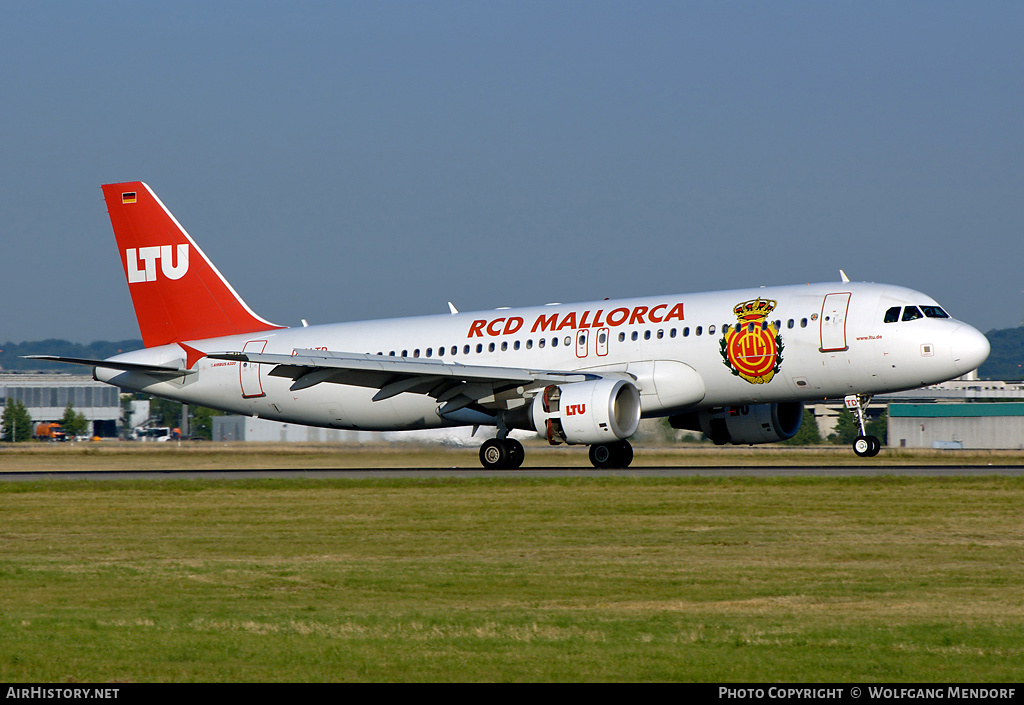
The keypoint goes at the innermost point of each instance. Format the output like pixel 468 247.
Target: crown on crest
pixel 754 310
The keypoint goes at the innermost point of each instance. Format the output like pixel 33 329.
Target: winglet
pixel 178 293
pixel 842 275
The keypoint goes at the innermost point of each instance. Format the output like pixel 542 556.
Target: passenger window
pixel 529 344
pixel 711 330
pixel 479 347
pixel 635 335
pixel 504 345
pixel 910 313
pixel 698 330
pixel 465 350
pixel 892 315
pixel 803 322
pixel 790 323
pixel 622 337
pixel 490 348
pixel 541 342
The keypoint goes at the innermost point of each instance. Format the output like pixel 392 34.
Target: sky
pixel 358 160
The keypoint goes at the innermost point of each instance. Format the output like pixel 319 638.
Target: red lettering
pixel 491 326
pixel 543 322
pixel 583 321
pixel 569 321
pixel 638 315
pixel 675 314
pixel 597 319
pixel 475 329
pixel 650 316
pixel 513 325
pixel 621 314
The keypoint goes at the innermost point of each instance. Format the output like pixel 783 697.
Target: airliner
pixel 736 365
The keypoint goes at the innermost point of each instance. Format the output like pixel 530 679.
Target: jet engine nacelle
pixel 742 425
pixel 602 411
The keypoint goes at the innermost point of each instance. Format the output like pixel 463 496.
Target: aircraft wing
pixel 157 370
pixel 453 384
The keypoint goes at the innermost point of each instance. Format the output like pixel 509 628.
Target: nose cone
pixel 970 348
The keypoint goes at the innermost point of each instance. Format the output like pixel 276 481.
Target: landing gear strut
pixel 865 446
pixel 611 455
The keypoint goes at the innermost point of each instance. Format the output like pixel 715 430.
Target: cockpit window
pixel 934 312
pixel 911 313
pixel 892 315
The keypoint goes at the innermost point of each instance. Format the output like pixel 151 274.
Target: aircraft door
pixel 602 341
pixel 249 372
pixel 833 322
pixel 582 342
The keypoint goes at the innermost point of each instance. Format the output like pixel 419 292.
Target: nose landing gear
pixel 864 445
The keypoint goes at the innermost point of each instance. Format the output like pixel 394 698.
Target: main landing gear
pixel 864 445
pixel 502 454
pixel 508 454
pixel 611 455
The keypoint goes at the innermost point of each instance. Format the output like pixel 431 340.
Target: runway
pixel 976 470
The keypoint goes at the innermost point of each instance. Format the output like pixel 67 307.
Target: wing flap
pixel 455 384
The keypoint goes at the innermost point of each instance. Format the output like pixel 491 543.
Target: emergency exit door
pixel 249 372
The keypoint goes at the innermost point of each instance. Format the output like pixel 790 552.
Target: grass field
pixel 577 579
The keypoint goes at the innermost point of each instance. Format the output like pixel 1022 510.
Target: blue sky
pixel 354 160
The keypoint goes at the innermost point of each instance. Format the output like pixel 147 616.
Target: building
pixel 46 396
pixel 979 425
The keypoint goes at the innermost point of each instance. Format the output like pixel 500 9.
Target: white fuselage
pixel 831 341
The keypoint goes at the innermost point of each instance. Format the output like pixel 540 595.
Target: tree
pixel 73 423
pixel 201 425
pixel 879 427
pixel 808 435
pixel 846 430
pixel 17 424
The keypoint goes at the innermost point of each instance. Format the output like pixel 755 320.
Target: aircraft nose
pixel 970 348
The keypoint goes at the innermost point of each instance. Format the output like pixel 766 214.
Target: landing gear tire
pixel 611 455
pixel 502 454
pixel 516 453
pixel 867 446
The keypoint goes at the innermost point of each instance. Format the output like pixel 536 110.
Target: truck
pixel 50 431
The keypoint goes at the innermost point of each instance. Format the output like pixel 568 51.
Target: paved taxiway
pixel 433 473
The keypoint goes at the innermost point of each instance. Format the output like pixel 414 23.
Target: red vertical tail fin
pixel 178 294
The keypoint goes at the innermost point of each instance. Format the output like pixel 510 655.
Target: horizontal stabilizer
pixel 164 370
